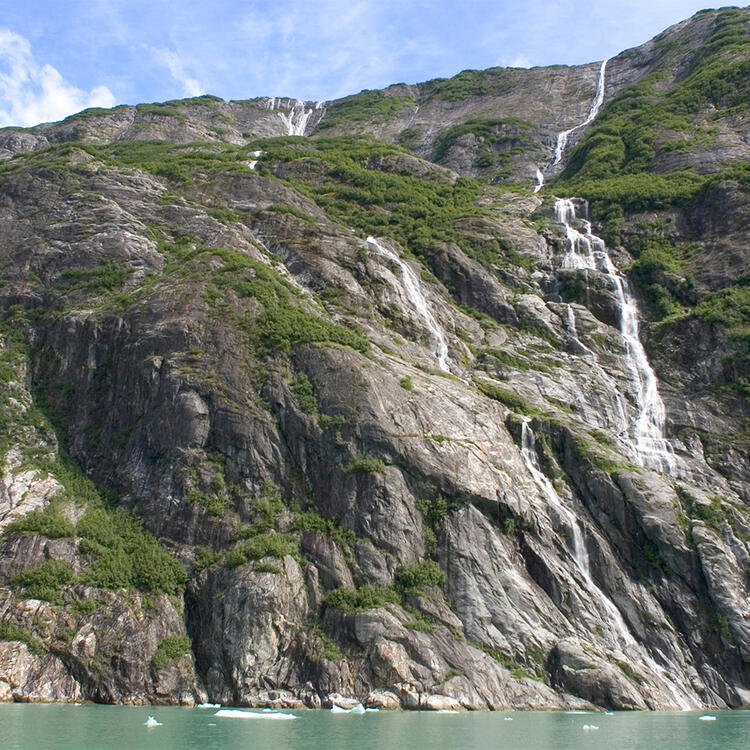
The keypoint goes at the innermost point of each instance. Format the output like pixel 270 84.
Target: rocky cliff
pixel 303 401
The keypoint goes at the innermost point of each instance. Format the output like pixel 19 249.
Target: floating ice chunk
pixel 372 710
pixel 507 718
pixel 589 727
pixel 707 717
pixel 609 713
pixel 577 711
pixel 235 713
pixel 358 709
pixel 152 722
pixel 447 711
pixel 209 705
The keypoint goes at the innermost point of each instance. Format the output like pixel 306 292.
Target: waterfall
pixel 562 138
pixel 585 250
pixel 623 637
pixel 622 419
pixel 539 180
pixel 297 118
pixel 413 290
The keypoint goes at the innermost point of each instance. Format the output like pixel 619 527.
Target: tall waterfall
pixel 585 250
pixel 413 290
pixel 562 138
pixel 625 641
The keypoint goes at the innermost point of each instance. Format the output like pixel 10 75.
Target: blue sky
pixel 59 56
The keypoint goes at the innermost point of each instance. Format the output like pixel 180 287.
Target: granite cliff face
pixel 296 420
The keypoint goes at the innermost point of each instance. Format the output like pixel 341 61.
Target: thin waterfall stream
pixel 413 290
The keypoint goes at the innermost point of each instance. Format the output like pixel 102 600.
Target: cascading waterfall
pixel 624 639
pixel 298 117
pixel 562 138
pixel 414 292
pixel 585 250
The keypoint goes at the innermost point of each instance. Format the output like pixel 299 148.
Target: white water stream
pixel 298 116
pixel 413 289
pixel 585 250
pixel 562 137
pixel 623 638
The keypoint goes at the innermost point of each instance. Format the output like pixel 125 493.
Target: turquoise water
pixel 63 727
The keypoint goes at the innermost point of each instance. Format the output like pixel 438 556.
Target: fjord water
pixel 68 727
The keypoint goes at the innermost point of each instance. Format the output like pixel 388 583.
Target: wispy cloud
pixel 173 62
pixel 31 92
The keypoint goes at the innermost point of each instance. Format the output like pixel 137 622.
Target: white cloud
pixel 31 93
pixel 190 86
pixel 520 61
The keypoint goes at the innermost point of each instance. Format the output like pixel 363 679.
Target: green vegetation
pixel 730 308
pixel 364 465
pixel 326 648
pixel 361 599
pixel 406 383
pixel 282 208
pixel 309 520
pixel 45 581
pixel 505 396
pixel 94 279
pixel 170 650
pixel 367 106
pixel 656 272
pixel 416 212
pixel 49 522
pixel 304 393
pixel 11 632
pixel 470 83
pixel 415 577
pixel 270 544
pixel 507 135
pixel 119 552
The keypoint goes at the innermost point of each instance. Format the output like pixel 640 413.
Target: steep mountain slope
pixel 391 425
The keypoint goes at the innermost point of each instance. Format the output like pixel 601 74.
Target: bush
pixel 364 465
pixel 169 650
pixel 361 599
pixel 11 632
pixel 262 545
pixel 415 577
pixel 45 581
pixel 47 522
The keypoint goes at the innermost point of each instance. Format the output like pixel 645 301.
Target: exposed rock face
pixel 339 517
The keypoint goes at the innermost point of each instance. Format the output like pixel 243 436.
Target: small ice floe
pixel 707 717
pixel 507 718
pixel 152 722
pixel 372 710
pixel 211 724
pixel 235 713
pixel 609 713
pixel 589 727
pixel 209 705
pixel 577 711
pixel 447 711
pixel 358 709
